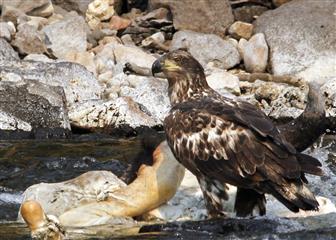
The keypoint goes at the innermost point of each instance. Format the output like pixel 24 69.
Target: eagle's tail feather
pixel 294 195
pixel 309 164
pixel 248 200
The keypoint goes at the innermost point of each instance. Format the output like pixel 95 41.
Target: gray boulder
pixel 207 16
pixel 78 83
pixel 66 36
pixel 7 53
pixel 207 48
pixel 301 38
pixel 121 115
pixel 34 108
pixel 150 93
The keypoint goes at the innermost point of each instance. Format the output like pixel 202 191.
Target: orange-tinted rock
pixel 119 23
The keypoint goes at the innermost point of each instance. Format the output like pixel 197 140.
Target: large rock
pixel 113 57
pixel 207 16
pixel 79 84
pixel 30 106
pixel 121 115
pixel 7 53
pixel 150 93
pixel 42 8
pixel 67 35
pixel 223 82
pixel 301 36
pixel 207 48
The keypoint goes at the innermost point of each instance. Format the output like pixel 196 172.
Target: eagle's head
pixel 185 75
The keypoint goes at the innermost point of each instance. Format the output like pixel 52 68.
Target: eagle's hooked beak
pixel 156 67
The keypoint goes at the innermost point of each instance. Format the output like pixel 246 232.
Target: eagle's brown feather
pixel 225 141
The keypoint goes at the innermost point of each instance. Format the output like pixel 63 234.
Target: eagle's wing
pixel 235 144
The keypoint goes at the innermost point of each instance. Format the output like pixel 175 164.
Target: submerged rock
pixel 207 48
pixel 301 38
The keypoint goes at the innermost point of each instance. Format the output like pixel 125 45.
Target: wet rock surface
pixel 38 161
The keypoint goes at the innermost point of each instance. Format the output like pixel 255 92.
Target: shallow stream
pixel 24 163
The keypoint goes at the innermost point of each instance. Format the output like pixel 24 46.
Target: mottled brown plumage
pixel 221 140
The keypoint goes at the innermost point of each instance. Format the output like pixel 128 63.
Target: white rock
pixel 114 55
pixel 99 10
pixel 111 115
pixel 207 48
pixel 78 83
pixel 67 35
pixel 9 122
pixel 255 53
pixel 150 92
pixel 156 38
pixel 223 82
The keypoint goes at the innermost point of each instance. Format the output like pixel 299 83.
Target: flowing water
pixel 24 163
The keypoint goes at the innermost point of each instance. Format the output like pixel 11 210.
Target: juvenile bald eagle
pixel 221 140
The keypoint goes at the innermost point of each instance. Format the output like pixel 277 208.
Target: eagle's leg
pixel 248 200
pixel 215 196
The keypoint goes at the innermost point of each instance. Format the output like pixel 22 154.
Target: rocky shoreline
pixel 62 62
